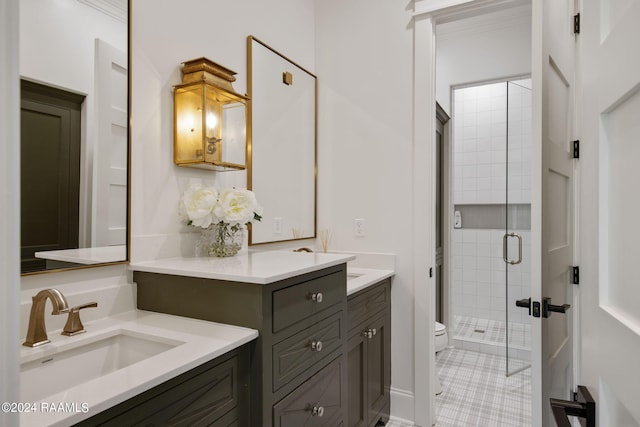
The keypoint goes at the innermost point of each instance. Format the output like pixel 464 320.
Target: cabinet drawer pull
pixel 317 411
pixel 316 345
pixel 317 297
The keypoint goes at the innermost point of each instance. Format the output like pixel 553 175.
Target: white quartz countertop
pixel 260 267
pixel 86 255
pixel 359 279
pixel 196 342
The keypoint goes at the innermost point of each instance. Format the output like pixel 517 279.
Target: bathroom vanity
pixel 138 366
pixel 298 303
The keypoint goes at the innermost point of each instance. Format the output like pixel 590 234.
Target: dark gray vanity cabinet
pixel 214 394
pixel 369 355
pixel 298 362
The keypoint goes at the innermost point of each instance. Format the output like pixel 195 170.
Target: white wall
pixel 364 56
pixel 165 34
pixel 10 205
pixel 487 47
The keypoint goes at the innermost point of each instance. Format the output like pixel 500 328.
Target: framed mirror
pixel 74 67
pixel 281 153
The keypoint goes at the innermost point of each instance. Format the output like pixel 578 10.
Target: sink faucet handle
pixel 74 325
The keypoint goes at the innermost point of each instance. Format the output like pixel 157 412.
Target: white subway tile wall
pixel 479 275
pixel 483 118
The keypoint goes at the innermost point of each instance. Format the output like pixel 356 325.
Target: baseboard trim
pixel 399 422
pixel 401 407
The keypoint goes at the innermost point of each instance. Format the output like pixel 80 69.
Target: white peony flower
pixel 197 205
pixel 237 205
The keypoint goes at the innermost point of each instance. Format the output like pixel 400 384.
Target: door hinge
pixel 430 271
pixel 576 149
pixel 576 23
pixel 575 275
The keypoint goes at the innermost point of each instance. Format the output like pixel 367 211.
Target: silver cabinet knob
pixel 316 345
pixel 369 333
pixel 317 411
pixel 317 297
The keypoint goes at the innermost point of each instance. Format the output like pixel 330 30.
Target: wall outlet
pixel 359 227
pixel 277 225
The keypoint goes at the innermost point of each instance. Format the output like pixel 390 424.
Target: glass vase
pixel 220 240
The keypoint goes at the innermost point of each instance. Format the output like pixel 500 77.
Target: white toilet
pixel 441 342
pixel 442 339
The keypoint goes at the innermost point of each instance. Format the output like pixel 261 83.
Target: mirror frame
pixel 249 155
pixel 128 209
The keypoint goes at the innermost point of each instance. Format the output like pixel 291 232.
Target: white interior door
pixel 553 85
pixel 610 207
pixel 109 196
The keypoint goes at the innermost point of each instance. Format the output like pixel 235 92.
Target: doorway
pixel 466 39
pixel 490 237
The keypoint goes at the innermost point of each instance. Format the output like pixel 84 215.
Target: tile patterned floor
pixel 476 392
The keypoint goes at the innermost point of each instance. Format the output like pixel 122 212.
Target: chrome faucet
pixel 37 333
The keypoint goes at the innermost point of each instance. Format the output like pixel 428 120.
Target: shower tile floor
pixel 493 333
pixel 476 391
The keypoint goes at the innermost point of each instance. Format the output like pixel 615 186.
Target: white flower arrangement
pixel 202 206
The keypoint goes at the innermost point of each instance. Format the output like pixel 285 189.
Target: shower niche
pixel 491 233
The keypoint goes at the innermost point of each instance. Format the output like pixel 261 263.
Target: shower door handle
pixel 505 256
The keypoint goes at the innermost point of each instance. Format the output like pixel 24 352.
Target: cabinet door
pixel 378 361
pixel 356 380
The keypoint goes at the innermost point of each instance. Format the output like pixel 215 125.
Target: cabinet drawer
pixel 322 391
pixel 367 303
pixel 300 301
pixel 296 354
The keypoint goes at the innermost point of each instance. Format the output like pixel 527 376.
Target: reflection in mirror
pixel 74 133
pixel 281 159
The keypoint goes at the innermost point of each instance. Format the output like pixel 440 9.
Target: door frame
pixel 426 14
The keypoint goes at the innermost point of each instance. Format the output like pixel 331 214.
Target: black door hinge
pixel 431 272
pixel 576 149
pixel 575 276
pixel 576 23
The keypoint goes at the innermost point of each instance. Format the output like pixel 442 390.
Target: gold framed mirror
pixel 75 134
pixel 281 145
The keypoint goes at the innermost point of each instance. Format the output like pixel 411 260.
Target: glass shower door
pixel 517 237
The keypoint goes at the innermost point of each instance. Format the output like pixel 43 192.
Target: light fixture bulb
pixel 212 121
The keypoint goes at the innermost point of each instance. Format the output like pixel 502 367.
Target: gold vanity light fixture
pixel 209 118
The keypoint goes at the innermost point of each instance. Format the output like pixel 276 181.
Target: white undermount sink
pixel 351 276
pixel 89 359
